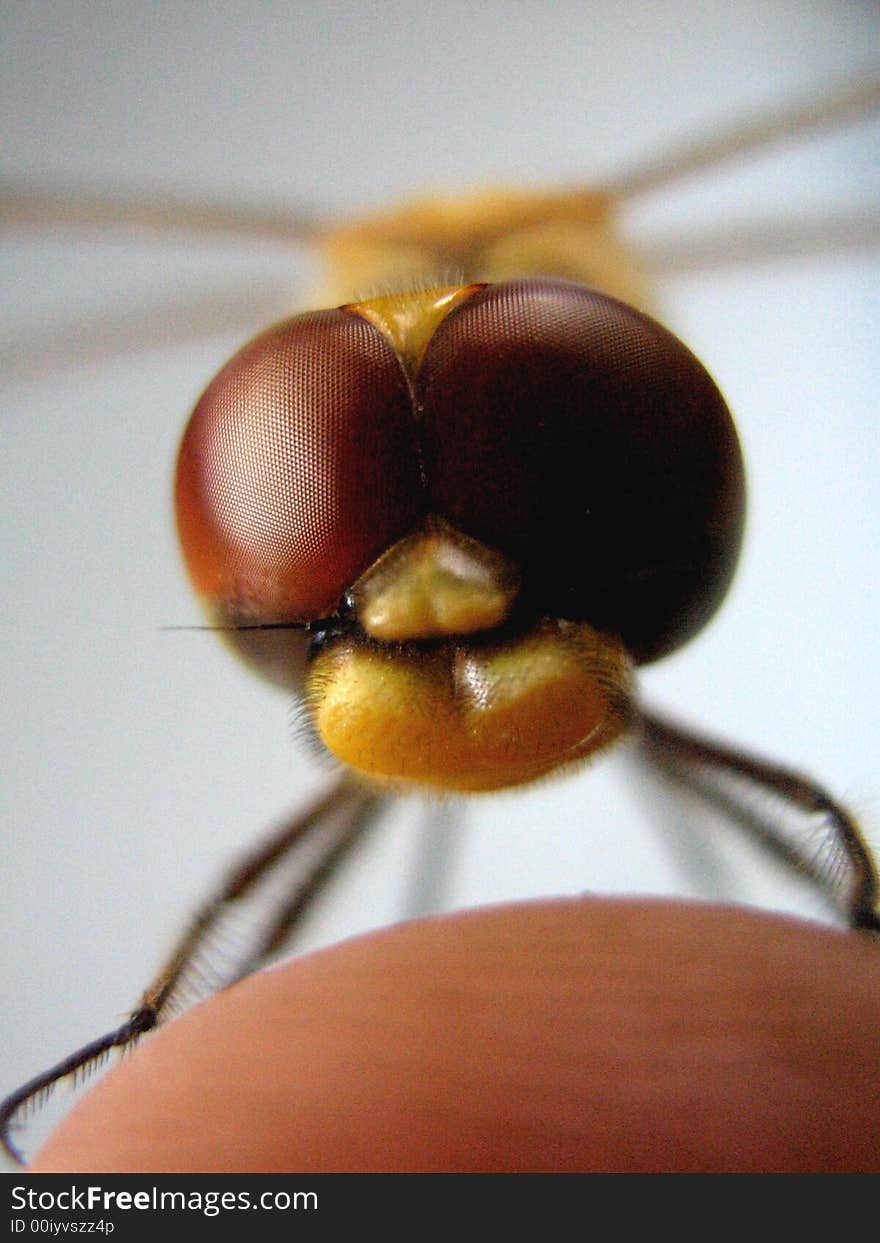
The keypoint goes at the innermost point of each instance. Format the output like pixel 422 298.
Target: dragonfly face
pixel 485 500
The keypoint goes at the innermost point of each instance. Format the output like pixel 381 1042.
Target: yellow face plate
pixel 471 716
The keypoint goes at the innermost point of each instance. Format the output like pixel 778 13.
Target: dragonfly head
pixel 503 497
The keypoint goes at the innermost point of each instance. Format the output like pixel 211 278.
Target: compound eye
pixel 587 443
pixel 298 467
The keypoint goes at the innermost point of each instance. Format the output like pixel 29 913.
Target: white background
pixel 136 761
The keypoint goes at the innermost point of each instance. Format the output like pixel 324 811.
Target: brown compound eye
pixel 586 442
pixel 298 467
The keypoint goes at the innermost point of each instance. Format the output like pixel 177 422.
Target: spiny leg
pixel 779 807
pixel 337 820
pixel 356 819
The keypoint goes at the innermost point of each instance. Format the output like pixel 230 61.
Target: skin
pixel 567 1035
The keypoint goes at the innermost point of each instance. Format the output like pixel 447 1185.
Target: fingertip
pixel 563 1035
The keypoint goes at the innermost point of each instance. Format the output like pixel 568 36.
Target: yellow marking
pixel 491 234
pixel 435 583
pixel 472 716
pixel 409 320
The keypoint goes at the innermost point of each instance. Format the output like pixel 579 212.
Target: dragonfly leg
pixel 782 808
pixel 336 820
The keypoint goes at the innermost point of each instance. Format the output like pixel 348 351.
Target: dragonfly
pixel 369 499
